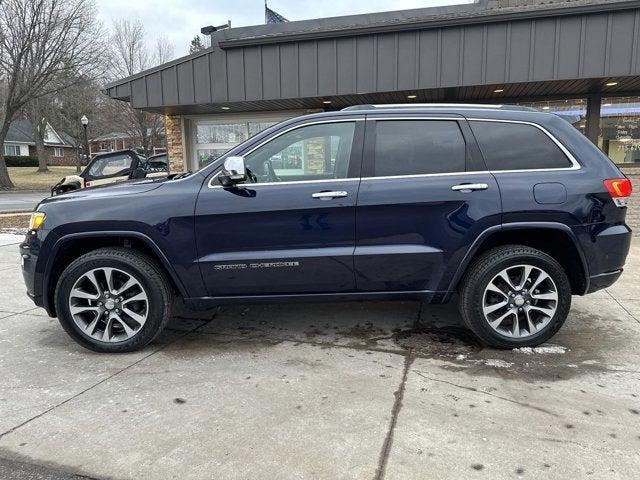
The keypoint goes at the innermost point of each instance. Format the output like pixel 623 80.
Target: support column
pixel 592 130
pixel 175 143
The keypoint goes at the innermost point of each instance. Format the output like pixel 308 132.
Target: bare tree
pixel 163 51
pixel 42 42
pixel 131 55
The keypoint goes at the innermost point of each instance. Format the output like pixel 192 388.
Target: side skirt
pixel 428 296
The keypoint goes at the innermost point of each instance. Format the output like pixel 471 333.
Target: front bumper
pixel 33 267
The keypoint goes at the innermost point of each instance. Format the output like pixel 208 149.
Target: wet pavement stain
pixel 583 346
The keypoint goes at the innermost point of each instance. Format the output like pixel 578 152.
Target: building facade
pixel 578 58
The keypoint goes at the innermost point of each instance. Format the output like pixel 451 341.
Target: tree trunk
pixel 5 181
pixel 42 153
pixel 37 115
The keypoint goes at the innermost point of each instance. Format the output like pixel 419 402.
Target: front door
pixel 425 196
pixel 290 228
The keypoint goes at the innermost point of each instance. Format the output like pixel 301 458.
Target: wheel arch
pixel 560 242
pixel 85 242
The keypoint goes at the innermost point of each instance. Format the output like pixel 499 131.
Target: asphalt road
pixel 371 391
pixel 20 201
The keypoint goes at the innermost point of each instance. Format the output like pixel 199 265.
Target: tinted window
pixel 314 152
pixel 414 147
pixel 514 146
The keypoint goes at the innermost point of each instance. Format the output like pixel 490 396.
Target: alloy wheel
pixel 108 304
pixel 520 301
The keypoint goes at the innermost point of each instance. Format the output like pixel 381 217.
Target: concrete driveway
pixel 20 201
pixel 324 391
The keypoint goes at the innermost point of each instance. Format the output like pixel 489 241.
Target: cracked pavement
pixel 383 390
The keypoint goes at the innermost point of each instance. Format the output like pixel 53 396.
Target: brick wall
pixel 68 159
pixel 175 145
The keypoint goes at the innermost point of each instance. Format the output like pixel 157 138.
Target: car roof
pixel 466 110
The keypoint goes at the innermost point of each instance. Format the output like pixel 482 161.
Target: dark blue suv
pixel 512 211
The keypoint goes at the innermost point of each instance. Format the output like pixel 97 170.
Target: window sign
pixel 620 129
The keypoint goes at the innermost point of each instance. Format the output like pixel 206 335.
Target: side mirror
pixel 233 172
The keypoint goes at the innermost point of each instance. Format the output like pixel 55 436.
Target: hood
pixel 106 191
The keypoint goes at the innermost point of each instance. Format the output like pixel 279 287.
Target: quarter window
pixel 516 146
pixel 314 152
pixel 415 147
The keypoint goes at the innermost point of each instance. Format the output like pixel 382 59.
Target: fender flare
pixel 111 233
pixel 471 252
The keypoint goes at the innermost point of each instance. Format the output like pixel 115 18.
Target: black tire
pixel 145 269
pixel 485 268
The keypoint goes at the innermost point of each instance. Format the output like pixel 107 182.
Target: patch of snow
pixel 10 239
pixel 547 348
pixel 492 362
pixel 461 357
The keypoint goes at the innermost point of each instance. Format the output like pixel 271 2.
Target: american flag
pixel 271 16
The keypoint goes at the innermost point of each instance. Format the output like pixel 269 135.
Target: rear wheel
pixel 113 300
pixel 515 296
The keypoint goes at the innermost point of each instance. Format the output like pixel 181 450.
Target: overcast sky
pixel 181 20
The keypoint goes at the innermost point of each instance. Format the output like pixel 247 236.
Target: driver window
pixel 315 152
pixel 108 166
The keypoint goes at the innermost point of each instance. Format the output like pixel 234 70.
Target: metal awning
pixel 462 53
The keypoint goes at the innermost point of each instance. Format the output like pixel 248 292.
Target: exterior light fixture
pixel 226 108
pixel 411 97
pixel 327 102
pixel 498 90
pixel 611 84
pixel 546 107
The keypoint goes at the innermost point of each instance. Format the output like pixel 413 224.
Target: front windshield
pixel 110 165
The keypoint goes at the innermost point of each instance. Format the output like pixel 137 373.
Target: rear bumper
pixel 604 280
pixel 606 253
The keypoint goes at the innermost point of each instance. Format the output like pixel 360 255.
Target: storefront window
pixel 620 129
pixel 211 138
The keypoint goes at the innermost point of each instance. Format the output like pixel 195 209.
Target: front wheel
pixel 515 296
pixel 113 300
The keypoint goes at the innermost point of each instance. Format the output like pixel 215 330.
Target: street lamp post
pixel 85 121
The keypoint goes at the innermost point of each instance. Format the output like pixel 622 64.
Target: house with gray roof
pixel 20 142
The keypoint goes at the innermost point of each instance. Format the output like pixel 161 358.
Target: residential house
pixel 20 142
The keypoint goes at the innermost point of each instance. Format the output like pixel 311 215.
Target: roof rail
pixel 479 106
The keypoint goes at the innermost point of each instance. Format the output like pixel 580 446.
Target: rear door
pixel 425 196
pixel 292 229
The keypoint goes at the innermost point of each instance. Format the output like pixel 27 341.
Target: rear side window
pixel 516 146
pixel 415 147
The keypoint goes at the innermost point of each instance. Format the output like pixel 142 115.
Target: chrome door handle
pixel 464 187
pixel 330 195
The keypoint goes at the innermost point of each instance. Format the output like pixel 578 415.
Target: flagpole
pixel 265 12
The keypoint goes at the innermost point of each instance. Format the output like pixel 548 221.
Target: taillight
pixel 620 190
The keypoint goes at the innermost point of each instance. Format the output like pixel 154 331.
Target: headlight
pixel 36 221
